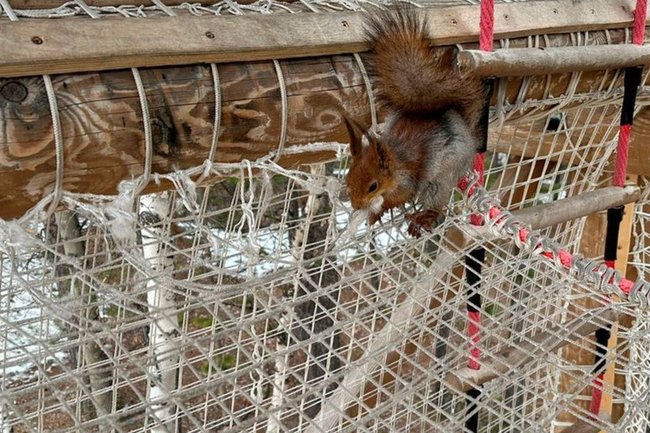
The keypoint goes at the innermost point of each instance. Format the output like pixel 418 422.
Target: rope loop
pixel 371 95
pixel 285 110
pixel 148 139
pixel 216 130
pixel 58 144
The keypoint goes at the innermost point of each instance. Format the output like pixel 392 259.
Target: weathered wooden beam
pixel 568 209
pixel 540 61
pixel 79 44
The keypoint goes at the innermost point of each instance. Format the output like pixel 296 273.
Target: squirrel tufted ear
pixel 383 154
pixel 356 132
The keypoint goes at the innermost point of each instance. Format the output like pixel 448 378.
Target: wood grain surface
pixel 79 44
pixel 103 127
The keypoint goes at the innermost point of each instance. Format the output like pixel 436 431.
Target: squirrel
pixel 432 129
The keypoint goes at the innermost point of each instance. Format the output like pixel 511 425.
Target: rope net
pixel 262 303
pixel 258 311
pixel 257 304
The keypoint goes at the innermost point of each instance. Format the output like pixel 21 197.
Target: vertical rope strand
pixel 631 83
pixel 148 138
pixel 487 25
pixel 640 14
pixel 371 95
pixel 285 110
pixel 476 258
pixel 84 6
pixel 58 143
pixel 56 123
pixel 216 130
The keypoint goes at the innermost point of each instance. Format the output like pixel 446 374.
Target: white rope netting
pixel 262 303
pixel 256 305
pixel 223 7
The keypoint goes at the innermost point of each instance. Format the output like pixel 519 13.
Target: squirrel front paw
pixel 423 220
pixel 374 217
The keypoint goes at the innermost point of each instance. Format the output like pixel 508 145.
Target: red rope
pixel 474 317
pixel 596 393
pixel 473 332
pixel 638 35
pixel 479 168
pixel 622 151
pixel 638 29
pixel 487 25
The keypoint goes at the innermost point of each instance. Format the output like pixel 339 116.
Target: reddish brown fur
pixel 433 121
pixel 409 74
pixel 375 163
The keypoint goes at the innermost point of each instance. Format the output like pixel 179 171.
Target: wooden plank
pixel 77 44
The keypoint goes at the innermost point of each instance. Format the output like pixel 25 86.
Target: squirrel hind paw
pixel 422 221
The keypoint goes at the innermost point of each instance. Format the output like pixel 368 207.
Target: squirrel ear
pixel 383 154
pixel 356 132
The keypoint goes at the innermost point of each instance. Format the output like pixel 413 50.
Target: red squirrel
pixel 432 127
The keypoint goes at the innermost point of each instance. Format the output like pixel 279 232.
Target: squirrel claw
pixel 423 220
pixel 374 217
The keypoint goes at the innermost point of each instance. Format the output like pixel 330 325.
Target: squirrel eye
pixel 373 187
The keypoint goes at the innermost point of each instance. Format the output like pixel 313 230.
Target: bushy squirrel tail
pixel 408 74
